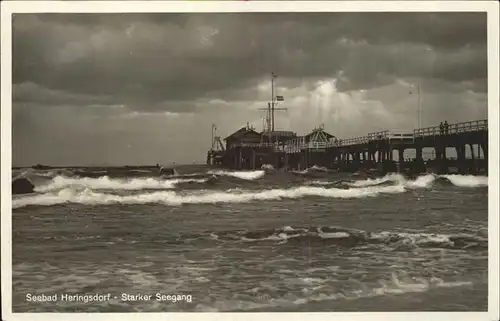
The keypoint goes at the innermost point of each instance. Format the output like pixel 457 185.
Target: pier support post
pixel 357 160
pixel 437 151
pixel 401 159
pixel 239 158
pixel 253 159
pixel 461 160
pixel 484 147
pixel 418 152
pixel 473 167
pixel 389 153
pixel 441 161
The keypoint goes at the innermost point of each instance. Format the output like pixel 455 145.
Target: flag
pixel 279 98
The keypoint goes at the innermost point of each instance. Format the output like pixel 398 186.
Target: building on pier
pixel 245 136
pixel 249 149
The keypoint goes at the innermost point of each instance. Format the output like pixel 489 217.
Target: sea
pixel 127 239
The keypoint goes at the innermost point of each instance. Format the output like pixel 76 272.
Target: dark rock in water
pixel 22 186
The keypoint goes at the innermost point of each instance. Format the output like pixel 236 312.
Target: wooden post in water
pixel 484 147
pixel 253 159
pixel 461 160
pixel 401 159
pixel 473 169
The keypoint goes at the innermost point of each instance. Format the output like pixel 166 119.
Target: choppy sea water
pixel 249 241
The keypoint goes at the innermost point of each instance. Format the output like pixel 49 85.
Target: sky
pixel 140 89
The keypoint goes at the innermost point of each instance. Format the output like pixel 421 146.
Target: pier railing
pixel 385 135
pixel 379 135
pixel 316 145
pixel 401 136
pixel 254 145
pixel 469 126
pixel 354 141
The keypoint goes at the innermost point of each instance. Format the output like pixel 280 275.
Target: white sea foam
pixel 268 167
pixel 313 168
pixel 467 180
pixel 414 238
pixel 318 168
pixel 316 289
pixel 319 183
pixel 423 181
pixel 104 182
pixel 247 175
pixel 398 178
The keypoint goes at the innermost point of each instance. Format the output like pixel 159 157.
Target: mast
pixel 271 108
pixel 273 75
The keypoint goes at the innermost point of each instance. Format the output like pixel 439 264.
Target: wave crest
pixel 246 175
pixel 87 196
pixel 104 182
pixel 424 181
pixel 467 180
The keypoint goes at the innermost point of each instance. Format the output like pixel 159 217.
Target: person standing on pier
pixel 446 127
pixel 441 128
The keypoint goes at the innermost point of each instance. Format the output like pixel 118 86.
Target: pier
pixel 382 151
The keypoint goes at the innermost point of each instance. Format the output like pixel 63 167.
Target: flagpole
pixel 272 100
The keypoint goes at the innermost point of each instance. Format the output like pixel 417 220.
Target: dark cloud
pixel 142 60
pixel 29 92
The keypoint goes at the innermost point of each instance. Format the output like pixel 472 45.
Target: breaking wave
pixel 63 189
pixel 87 196
pixel 313 169
pixel 247 175
pixel 423 181
pixel 355 238
pixel 397 178
pixel 104 182
pixel 467 180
